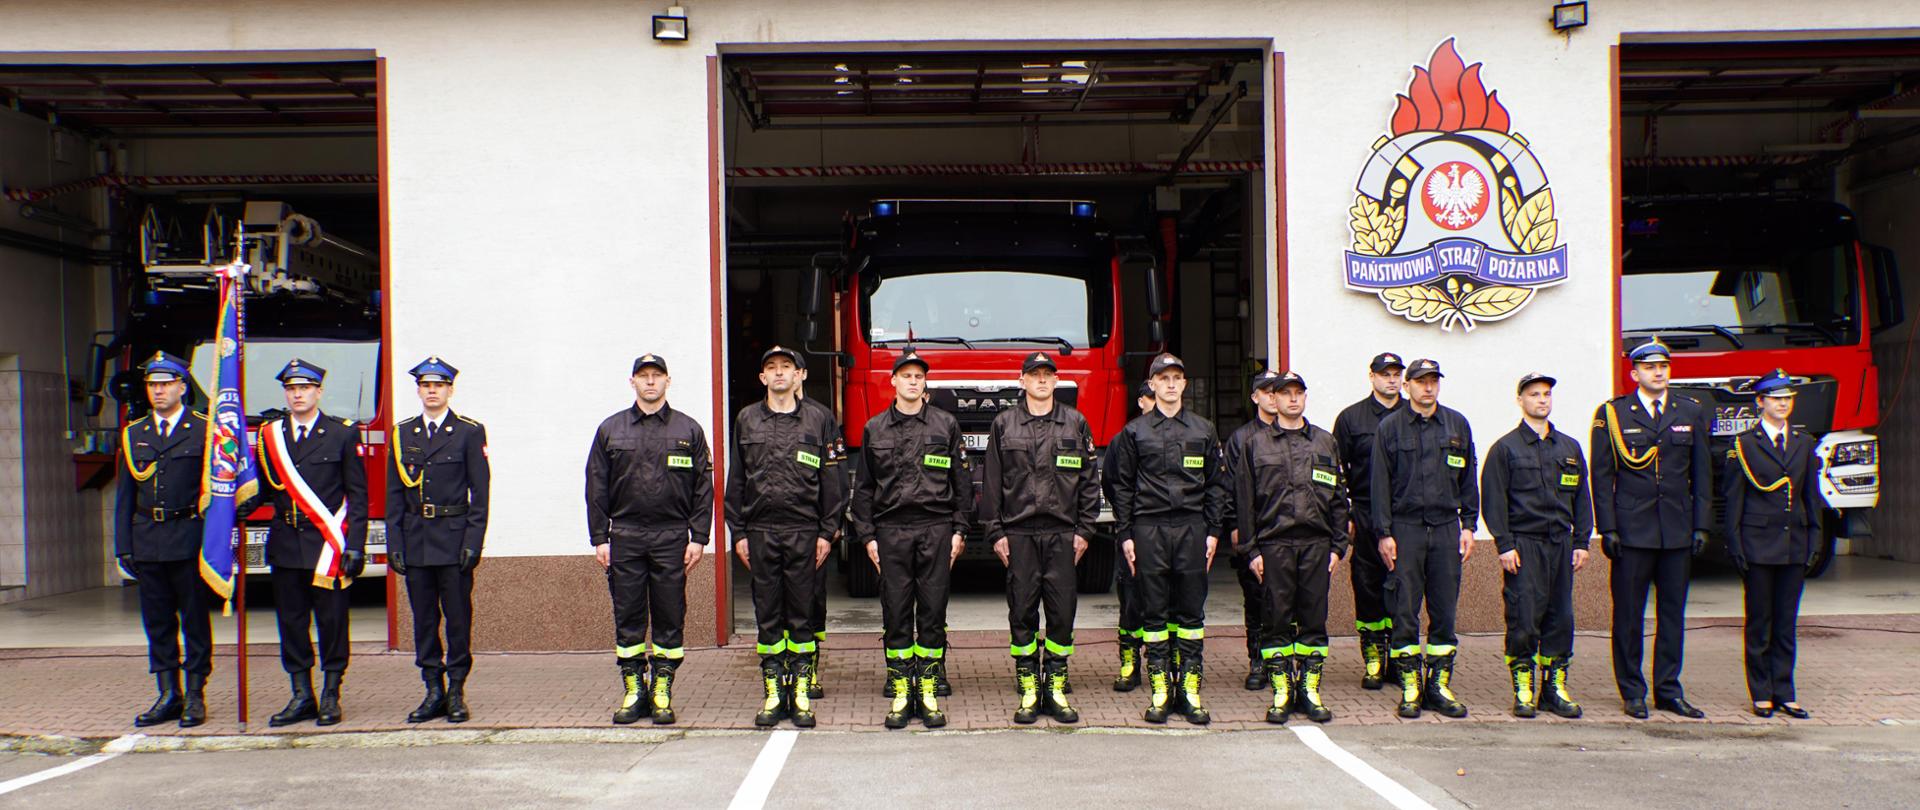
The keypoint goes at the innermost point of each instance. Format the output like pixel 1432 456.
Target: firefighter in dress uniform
pixel 1533 494
pixel 1169 508
pixel 1652 504
pixel 910 512
pixel 1773 530
pixel 156 538
pixel 317 482
pixel 649 517
pixel 1291 508
pixel 436 528
pixel 784 505
pixel 1039 501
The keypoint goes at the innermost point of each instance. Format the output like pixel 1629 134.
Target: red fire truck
pixel 311 295
pixel 1741 285
pixel 975 286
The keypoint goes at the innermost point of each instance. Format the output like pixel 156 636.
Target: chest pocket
pixel 1569 475
pixel 935 455
pixel 1455 452
pixel 1068 457
pixel 144 454
pixel 675 455
pixel 1193 458
pixel 1324 475
pixel 1637 439
pixel 1680 438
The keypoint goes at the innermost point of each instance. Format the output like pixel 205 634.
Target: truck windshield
pixel 979 306
pixel 1806 294
pixel 353 370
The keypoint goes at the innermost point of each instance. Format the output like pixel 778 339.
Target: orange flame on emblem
pixel 1447 96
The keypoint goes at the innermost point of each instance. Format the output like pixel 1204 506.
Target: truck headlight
pixel 376 532
pixel 1851 453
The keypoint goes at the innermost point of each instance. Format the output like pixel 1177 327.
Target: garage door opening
pixel 128 176
pixel 1768 190
pixel 980 206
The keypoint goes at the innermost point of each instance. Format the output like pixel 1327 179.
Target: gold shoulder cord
pixel 126 449
pixel 1620 451
pixel 393 449
pixel 266 467
pixel 1740 452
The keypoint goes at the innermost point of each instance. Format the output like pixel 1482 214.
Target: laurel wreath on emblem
pixel 1377 226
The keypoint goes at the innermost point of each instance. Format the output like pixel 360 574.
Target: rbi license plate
pixel 1732 421
pixel 976 442
pixel 256 548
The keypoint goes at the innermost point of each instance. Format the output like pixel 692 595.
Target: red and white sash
pixel 332 524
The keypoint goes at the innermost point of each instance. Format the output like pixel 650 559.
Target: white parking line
pixel 112 749
pixel 1395 794
pixel 753 791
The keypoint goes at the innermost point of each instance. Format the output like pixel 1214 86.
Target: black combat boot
pixel 927 685
pixel 457 700
pixel 328 712
pixel 167 706
pixel 662 703
pixel 301 707
pixel 1130 663
pixel 899 692
pixel 1407 669
pixel 802 690
pixel 773 680
pixel 1280 680
pixel 1524 686
pixel 435 703
pixel 1440 687
pixel 1373 655
pixel 1553 689
pixel 1028 682
pixel 193 711
pixel 1311 670
pixel 1056 692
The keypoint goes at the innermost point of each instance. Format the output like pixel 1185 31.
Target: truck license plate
pixel 976 442
pixel 1723 426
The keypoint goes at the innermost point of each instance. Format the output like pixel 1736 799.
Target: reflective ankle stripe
pixel 1153 636
pixel 1022 650
pixel 1059 649
pixel 802 647
pixel 1277 652
pixel 1302 649
pixel 775 648
pixel 1373 626
pixel 929 652
pixel 630 651
pixel 1441 649
pixel 900 653
pixel 670 653
pixel 1188 633
pixel 1406 652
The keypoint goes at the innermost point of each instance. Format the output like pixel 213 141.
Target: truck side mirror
pixel 813 296
pixel 1156 294
pixel 1889 304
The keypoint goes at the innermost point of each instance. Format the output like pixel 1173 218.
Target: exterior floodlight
pixel 671 26
pixel 1568 16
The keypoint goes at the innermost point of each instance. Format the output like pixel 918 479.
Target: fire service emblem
pixel 1453 220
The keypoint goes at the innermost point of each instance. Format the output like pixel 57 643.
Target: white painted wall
pixel 548 179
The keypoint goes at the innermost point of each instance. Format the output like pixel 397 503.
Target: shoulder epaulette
pixel 347 422
pixel 409 420
pixel 468 421
pixel 201 415
pixel 140 420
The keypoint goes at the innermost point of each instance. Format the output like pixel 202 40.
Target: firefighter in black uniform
pixel 1533 493
pixel 784 505
pixel 1353 431
pixel 910 509
pixel 1242 551
pixel 1652 504
pixel 1170 501
pixel 436 527
pixel 1124 589
pixel 156 538
pixel 1772 530
pixel 1426 503
pixel 318 485
pixel 1291 508
pixel 1039 501
pixel 649 516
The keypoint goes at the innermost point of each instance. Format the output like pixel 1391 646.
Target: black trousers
pixel 818 619
pixel 916 575
pixel 1253 601
pixel 1294 621
pixel 300 604
pixel 1426 570
pixel 173 606
pixel 1040 572
pixel 1369 576
pixel 1540 598
pixel 1171 556
pixel 1127 588
pixel 784 584
pixel 441 595
pixel 1667 571
pixel 647 576
pixel 1773 616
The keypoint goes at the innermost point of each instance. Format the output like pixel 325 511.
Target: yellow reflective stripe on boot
pixel 1159 682
pixel 801 647
pixel 1190 690
pixel 630 651
pixel 1442 677
pixel 1542 660
pixel 1059 649
pixel 929 701
pixel 1029 690
pixel 1522 680
pixel 929 652
pixel 1057 688
pixel 1277 652
pixel 662 698
pixel 670 653
pixel 1409 683
pixel 1282 682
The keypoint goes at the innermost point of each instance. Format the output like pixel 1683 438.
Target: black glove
pixel 469 560
pixel 396 562
pixel 1610 544
pixel 126 566
pixel 1699 542
pixel 1739 562
pixel 353 562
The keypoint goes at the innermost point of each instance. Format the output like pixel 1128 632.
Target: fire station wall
pixel 548 220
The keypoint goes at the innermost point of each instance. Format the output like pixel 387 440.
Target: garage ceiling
pixel 1753 77
pixel 111 98
pixel 1038 86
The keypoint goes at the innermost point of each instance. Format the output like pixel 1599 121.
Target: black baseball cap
pixel 1422 368
pixel 1287 378
pixel 910 358
pixel 1163 362
pixel 782 351
pixel 1534 377
pixel 1386 360
pixel 1145 390
pixel 1036 361
pixel 649 360
pixel 1265 379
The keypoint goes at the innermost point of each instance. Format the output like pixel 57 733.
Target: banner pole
pixel 239 521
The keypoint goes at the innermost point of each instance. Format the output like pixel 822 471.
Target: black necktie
pixel 303 434
pixel 166 428
pixel 1780 442
pixel 1656 410
pixel 432 428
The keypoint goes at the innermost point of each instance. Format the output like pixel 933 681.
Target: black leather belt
pixel 431 511
pixel 163 515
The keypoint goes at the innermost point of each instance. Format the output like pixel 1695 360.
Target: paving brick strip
pixel 1854 670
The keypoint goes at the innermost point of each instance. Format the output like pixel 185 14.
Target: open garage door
pixel 1768 195
pixel 984 205
pixel 127 177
